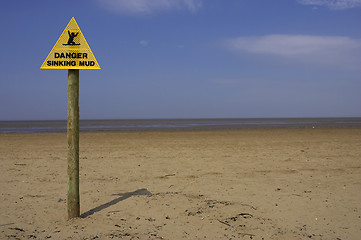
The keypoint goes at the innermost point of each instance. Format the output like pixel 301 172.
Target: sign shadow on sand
pixel 123 196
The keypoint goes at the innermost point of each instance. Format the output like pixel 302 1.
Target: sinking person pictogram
pixel 71 39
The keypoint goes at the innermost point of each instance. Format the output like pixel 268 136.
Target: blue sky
pixel 186 59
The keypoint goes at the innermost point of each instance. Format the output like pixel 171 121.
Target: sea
pixel 177 124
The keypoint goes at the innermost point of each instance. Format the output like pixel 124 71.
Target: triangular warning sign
pixel 71 51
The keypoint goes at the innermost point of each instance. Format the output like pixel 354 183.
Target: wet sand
pixel 239 184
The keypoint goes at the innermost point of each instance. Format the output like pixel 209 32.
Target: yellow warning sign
pixel 71 51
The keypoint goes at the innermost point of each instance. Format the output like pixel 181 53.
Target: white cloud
pixel 335 50
pixel 193 5
pixel 150 6
pixel 144 43
pixel 333 4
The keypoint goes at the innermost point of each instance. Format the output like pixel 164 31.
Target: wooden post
pixel 73 201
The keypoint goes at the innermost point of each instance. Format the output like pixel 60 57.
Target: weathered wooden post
pixel 73 201
pixel 72 52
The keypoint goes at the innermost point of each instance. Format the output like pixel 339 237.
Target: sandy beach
pixel 238 184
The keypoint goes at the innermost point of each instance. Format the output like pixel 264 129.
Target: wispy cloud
pixel 335 50
pixel 333 4
pixel 146 7
pixel 144 43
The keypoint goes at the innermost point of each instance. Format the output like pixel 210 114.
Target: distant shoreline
pixel 46 126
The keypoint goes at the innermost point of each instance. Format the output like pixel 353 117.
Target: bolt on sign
pixel 71 51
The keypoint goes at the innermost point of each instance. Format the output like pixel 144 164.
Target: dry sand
pixel 239 184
